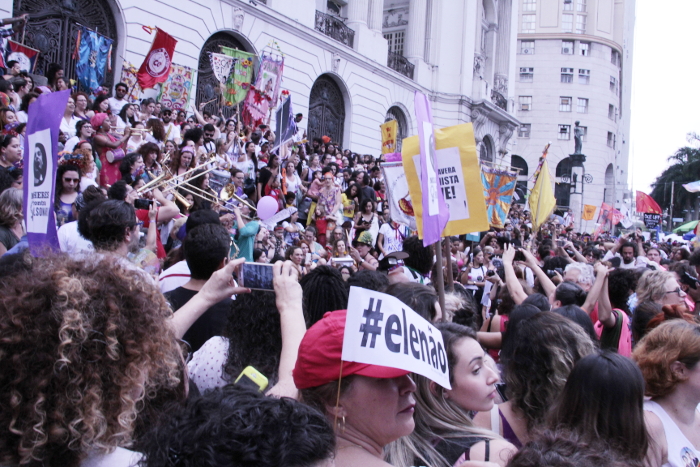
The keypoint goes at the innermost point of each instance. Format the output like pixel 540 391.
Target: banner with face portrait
pixel 40 161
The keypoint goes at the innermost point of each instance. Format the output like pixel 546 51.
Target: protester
pixel 11 228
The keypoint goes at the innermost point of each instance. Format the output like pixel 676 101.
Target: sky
pixel 665 85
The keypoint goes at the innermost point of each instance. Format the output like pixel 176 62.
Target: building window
pixel 581 6
pixel 564 132
pixel 584 76
pixel 567 75
pixel 611 112
pixel 611 140
pixel 581 24
pixel 584 48
pixel 567 47
pixel 582 105
pixel 527 47
pixel 613 84
pixel 564 104
pixel 529 5
pixel 524 130
pixel 568 5
pixel 525 103
pixel 567 23
pixel 528 23
pixel 395 41
pixel 526 74
pixel 615 57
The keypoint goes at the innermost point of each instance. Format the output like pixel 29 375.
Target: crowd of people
pixel 139 344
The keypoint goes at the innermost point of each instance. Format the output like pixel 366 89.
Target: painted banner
pixel 646 203
pixel 265 92
pixel 541 200
pixel 128 77
pixel 588 212
pixel 459 178
pixel 397 195
pixel 286 127
pixel 175 91
pixel 389 134
pixel 382 330
pixel 26 56
pixel 608 214
pixel 499 186
pixel 651 220
pixel 40 160
pixel 156 65
pixel 239 81
pixel 93 57
pixel 221 65
pixel 435 212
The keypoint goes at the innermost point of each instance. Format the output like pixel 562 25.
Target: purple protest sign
pixel 435 213
pixel 40 161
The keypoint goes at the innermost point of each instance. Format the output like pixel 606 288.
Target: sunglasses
pixel 71 180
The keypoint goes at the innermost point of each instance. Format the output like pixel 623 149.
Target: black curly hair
pixel 236 427
pixel 323 290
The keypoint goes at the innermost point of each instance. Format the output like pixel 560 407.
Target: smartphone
pixel 256 276
pixel 252 378
pixel 143 203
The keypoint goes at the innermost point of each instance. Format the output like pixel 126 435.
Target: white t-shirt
pixel 116 105
pixel 68 127
pixel 172 132
pixel 70 240
pixel 293 184
pixel 393 238
pixel 206 369
pixel 175 276
pixel 120 457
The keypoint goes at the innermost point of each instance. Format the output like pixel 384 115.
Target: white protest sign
pixel 451 178
pixel 382 330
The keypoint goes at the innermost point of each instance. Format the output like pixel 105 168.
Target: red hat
pixel 320 354
pixel 326 139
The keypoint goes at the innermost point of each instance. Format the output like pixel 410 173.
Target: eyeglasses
pixel 71 180
pixel 677 290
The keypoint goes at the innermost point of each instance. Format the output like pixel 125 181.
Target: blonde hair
pixel 652 285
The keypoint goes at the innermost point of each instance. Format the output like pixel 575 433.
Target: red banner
pixel 646 203
pixel 156 66
pixel 608 214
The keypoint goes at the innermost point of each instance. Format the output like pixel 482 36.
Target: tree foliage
pixel 685 169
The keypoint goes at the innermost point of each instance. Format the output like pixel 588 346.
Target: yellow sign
pixel 588 212
pixel 389 131
pixel 459 174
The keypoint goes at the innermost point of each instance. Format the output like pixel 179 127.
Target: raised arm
pixel 545 282
pixel 595 293
pixel 512 282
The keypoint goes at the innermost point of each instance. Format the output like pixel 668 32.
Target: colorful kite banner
pixel 239 81
pixel 175 92
pixel 499 186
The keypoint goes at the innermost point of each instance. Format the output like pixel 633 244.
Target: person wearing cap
pixel 369 405
pixel 360 252
pixel 172 131
pixel 392 265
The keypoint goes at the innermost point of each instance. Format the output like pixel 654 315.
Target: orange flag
pixel 588 212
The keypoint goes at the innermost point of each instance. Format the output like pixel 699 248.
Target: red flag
pixel 156 66
pixel 646 203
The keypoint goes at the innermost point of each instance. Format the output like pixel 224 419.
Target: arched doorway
pixel 396 113
pixel 518 162
pixel 609 182
pixel 562 187
pixel 53 30
pixel 207 84
pixel 326 110
pixel 486 151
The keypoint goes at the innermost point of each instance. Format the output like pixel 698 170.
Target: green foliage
pixel 686 169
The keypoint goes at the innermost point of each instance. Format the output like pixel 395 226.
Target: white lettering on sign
pixel 382 330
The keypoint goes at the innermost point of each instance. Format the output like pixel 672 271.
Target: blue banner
pixel 93 53
pixel 40 161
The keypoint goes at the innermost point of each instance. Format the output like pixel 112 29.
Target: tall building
pixel 574 60
pixel 349 64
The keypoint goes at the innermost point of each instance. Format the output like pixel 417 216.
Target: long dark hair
pixel 603 399
pixel 62 169
pixel 130 121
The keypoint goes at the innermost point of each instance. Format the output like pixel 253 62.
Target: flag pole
pixel 440 277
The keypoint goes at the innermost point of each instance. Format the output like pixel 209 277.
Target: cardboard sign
pixel 382 330
pixel 459 175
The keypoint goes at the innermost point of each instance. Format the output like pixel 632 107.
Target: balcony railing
pixel 498 99
pixel 334 28
pixel 401 64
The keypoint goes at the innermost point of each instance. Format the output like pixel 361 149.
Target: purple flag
pixel 40 161
pixel 435 213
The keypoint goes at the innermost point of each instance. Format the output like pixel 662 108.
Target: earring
pixel 341 424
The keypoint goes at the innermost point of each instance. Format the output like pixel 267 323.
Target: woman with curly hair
pixel 668 357
pixel 11 229
pixel 545 349
pixel 81 360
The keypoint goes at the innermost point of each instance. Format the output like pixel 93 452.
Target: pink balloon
pixel 267 207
